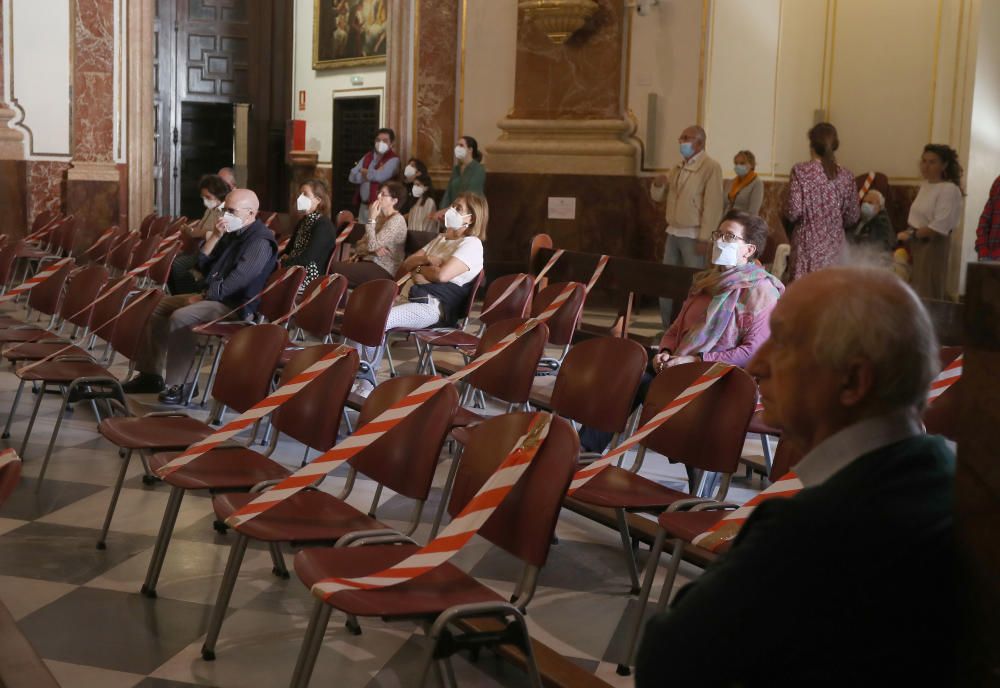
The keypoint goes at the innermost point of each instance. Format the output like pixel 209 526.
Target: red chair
pixel 364 320
pixel 682 527
pixel 8 254
pixel 99 254
pixel 318 318
pixel 10 476
pixel 120 255
pixel 159 272
pixel 44 298
pixel 274 305
pixel 144 225
pixel 563 323
pixel 245 374
pixel 157 226
pixel 403 460
pixel 311 417
pixel 76 308
pixel 707 436
pixel 516 305
pixel 522 525
pixel 143 251
pixel 944 415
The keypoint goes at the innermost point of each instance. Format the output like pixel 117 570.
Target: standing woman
pixel 379 252
pixel 822 201
pixel 468 175
pixel 934 214
pixel 313 238
pixel 422 211
pixel 184 278
pixel 414 170
pixel 746 192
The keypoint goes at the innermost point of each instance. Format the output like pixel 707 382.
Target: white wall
pixel 322 86
pixel 38 74
pixel 487 71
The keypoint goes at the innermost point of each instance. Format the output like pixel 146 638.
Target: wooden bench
pixel 20 665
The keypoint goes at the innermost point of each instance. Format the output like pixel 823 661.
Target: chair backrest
pixel 43 218
pixel 10 476
pixel 81 292
pixel 130 328
pixel 597 382
pixel 510 374
pixel 404 459
pixel 517 305
pixel 109 307
pixel 367 310
pixel 524 522
pixel 7 256
pixel 562 325
pixel 157 226
pixel 159 273
pixel 319 316
pixel 709 432
pixel 267 217
pixel 175 226
pixel 67 238
pixel 98 253
pixel 144 250
pixel 46 297
pixel 942 417
pixel 121 253
pixel 538 242
pixel 146 222
pixel 467 308
pixel 780 263
pixel 785 458
pixel 247 365
pixel 277 302
pixel 54 239
pixel 312 417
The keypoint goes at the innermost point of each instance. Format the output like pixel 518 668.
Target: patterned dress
pixel 820 208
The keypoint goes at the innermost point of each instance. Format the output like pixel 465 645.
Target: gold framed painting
pixel 349 33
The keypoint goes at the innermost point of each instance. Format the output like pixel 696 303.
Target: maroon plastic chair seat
pixel 154 432
pixel 60 371
pixel 309 516
pixel 11 336
pixel 224 468
pixel 687 525
pixel 618 488
pixel 224 329
pixel 10 476
pixel 35 351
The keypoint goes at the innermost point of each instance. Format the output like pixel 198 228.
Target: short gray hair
pixel 877 194
pixel 875 316
pixel 699 132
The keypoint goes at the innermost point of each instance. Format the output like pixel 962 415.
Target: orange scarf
pixel 740 184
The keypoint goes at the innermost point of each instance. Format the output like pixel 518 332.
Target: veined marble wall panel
pixel 3 54
pixel 40 73
pixel 93 81
pixel 741 80
pixel 487 70
pixel 665 50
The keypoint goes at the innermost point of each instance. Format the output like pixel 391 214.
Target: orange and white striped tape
pixel 866 186
pixel 273 285
pixel 8 456
pixel 44 229
pixel 548 266
pixel 368 433
pixel 505 294
pixel 602 263
pixel 34 281
pixel 255 413
pixel 462 528
pixel 163 250
pixel 702 383
pixel 726 529
pixel 325 283
pixel 945 379
pixel 105 235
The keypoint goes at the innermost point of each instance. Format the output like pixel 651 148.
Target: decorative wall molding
pixel 561 146
pixel 104 171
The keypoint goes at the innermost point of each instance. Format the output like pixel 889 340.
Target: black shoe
pixel 144 383
pixel 177 394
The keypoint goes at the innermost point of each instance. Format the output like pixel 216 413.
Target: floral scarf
pixel 731 298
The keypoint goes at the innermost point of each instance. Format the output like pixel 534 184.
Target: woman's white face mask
pixel 454 219
pixel 303 203
pixel 727 254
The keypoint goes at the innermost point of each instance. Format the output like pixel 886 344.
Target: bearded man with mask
pixel 725 316
pixel 234 262
pixel 378 166
pixel 692 191
pixel 874 229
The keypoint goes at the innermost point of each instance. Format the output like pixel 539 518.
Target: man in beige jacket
pixel 693 193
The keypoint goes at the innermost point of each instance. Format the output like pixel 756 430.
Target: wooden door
pixel 355 121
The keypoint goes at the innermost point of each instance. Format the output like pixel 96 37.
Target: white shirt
pixel 938 206
pixel 842 448
pixel 657 193
pixel 468 249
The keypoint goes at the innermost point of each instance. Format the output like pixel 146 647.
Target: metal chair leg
pixel 446 492
pixel 212 373
pixel 236 554
pixel 633 569
pixel 640 611
pixel 55 433
pixel 162 541
pixel 13 408
pixel 278 569
pixel 101 542
pixel 31 421
pixel 311 645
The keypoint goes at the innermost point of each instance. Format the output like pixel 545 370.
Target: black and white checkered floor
pixel 82 610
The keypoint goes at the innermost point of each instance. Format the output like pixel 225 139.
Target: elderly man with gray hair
pixel 874 229
pixel 852 580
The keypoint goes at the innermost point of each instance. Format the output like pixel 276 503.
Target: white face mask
pixel 209 203
pixel 233 223
pixel 727 255
pixel 418 191
pixel 461 152
pixel 303 203
pixel 381 147
pixel 454 219
pixel 409 171
pixel 867 211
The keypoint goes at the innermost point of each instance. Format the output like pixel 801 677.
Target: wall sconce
pixel 559 19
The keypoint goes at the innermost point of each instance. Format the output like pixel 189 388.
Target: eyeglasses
pixel 727 237
pixel 227 209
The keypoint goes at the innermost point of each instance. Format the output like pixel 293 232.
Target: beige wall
pixel 322 86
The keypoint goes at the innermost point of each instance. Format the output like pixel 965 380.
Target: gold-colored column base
pixel 563 146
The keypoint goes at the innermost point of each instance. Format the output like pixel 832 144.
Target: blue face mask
pixel 741 170
pixel 687 149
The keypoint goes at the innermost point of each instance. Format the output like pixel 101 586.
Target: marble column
pixel 139 111
pixel 13 171
pixel 94 180
pixel 567 135
pixel 436 28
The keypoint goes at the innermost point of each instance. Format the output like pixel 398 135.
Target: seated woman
pixel 379 252
pixel 184 278
pixel 414 169
pixel 441 274
pixel 313 238
pixel 421 215
pixel 726 315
